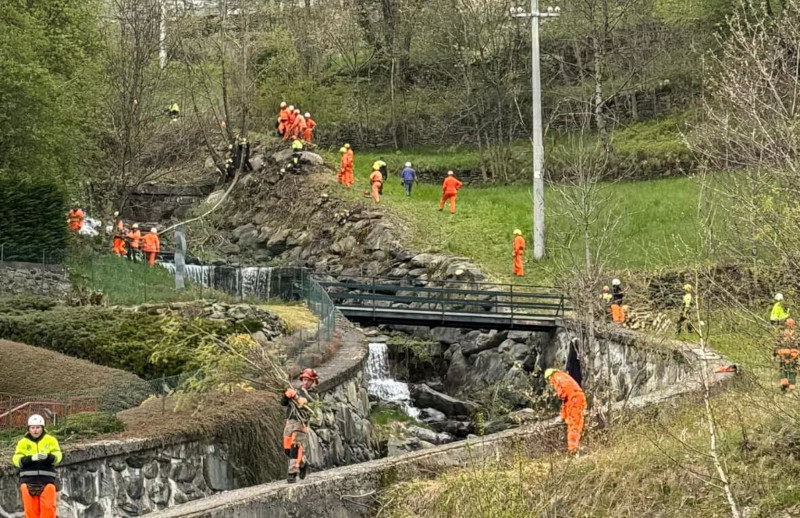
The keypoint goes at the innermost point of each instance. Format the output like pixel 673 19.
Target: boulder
pixel 238 231
pixel 484 341
pixel 397 446
pixel 446 335
pixel 455 428
pixel 429 415
pixel 430 436
pixel 425 397
pixel 427 260
pixel 344 245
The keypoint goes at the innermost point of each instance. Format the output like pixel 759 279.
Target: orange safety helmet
pixel 790 322
pixel 309 374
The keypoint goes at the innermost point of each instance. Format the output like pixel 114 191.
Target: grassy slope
pixel 657 219
pixel 655 464
pixel 60 373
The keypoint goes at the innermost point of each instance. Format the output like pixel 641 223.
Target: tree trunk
pixel 599 116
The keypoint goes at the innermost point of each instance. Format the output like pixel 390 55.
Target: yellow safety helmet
pixel 687 287
pixel 517 232
pixel 347 146
pixel 342 150
pixel 549 372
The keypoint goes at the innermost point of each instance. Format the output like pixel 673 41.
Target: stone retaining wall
pixel 35 279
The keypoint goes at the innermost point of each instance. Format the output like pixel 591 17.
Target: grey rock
pixel 430 436
pixel 424 397
pixel 431 414
pixel 483 342
pixel 446 335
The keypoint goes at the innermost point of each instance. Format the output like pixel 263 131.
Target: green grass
pixel 390 415
pixel 128 283
pixel 657 221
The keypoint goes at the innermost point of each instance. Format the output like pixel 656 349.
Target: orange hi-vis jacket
pixel 376 176
pixel 299 122
pixel 135 236
pixel 283 115
pixel 151 243
pixel 451 185
pixel 519 245
pixel 310 124
pixel 568 390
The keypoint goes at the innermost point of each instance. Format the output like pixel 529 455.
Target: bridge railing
pixel 447 297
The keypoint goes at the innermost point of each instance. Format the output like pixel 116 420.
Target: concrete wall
pixel 32 278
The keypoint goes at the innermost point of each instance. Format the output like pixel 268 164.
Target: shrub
pixel 114 338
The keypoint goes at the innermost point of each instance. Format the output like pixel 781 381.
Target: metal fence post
pixel 511 303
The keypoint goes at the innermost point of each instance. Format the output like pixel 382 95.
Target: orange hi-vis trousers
pixel 41 506
pixel 617 313
pixel 452 198
pixel 294 444
pixel 519 269
pixel 572 413
pixel 376 187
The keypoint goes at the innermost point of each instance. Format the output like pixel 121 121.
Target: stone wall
pixel 157 203
pixel 35 279
pixel 131 478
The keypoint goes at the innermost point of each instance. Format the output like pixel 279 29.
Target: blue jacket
pixel 408 174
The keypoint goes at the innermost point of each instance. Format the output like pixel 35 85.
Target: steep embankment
pixel 298 219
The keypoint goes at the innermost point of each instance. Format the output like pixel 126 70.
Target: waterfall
pixel 253 281
pixel 382 385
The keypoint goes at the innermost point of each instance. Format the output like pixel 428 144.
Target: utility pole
pixel 538 137
pixel 162 53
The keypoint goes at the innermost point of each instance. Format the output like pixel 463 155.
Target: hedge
pixel 34 219
pixel 111 337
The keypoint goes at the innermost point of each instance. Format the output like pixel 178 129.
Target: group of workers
pixel 126 241
pixel 129 242
pixel 292 123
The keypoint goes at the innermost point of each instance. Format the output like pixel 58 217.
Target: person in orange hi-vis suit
pixel 376 180
pixel 151 245
pixel 450 188
pixel 287 130
pixel 119 236
pixel 309 131
pixel 75 218
pixel 349 176
pixel 299 125
pixel 342 164
pixel 283 119
pixel 519 250
pixel 573 406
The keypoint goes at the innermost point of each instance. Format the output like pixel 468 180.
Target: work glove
pixel 39 456
pixel 301 402
pixel 290 393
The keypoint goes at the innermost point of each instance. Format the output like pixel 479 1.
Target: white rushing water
pixel 382 385
pixel 252 281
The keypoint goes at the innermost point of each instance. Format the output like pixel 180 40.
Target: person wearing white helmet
pixel 283 119
pixel 134 238
pixel 779 314
pixel 151 246
pixel 686 309
pixel 409 176
pixel 291 113
pixel 617 295
pixel 309 131
pixel 36 456
pixel 298 125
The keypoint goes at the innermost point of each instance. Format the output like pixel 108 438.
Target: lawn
pixel 128 283
pixel 657 220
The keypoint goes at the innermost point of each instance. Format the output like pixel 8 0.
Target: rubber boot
pixel 304 471
pixel 291 478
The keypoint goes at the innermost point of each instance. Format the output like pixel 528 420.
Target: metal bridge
pixel 377 300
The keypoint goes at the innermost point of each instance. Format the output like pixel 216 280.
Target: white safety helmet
pixel 153 230
pixel 291 108
pixel 116 213
pixel 408 164
pixel 283 105
pixel 36 420
pixel 615 282
pixel 307 115
pixel 450 173
pixel 779 297
pixel 135 225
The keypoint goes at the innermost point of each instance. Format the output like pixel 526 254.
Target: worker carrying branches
pixel 298 416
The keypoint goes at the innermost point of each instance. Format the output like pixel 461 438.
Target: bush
pixel 113 338
pixel 35 219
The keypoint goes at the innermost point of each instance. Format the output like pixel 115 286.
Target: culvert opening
pixel 574 363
